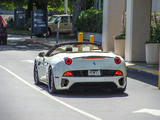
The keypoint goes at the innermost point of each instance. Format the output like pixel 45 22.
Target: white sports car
pixel 79 64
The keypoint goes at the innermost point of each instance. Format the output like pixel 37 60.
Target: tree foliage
pixel 12 4
pixel 90 21
pixel 75 6
pixel 78 6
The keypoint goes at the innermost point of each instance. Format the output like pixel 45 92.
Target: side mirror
pixel 41 54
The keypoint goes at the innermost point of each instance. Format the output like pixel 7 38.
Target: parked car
pixel 3 32
pixel 80 64
pixel 65 23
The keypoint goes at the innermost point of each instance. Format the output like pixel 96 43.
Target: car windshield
pixel 52 19
pixel 76 48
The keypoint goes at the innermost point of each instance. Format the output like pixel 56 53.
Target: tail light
pixel 4 24
pixel 68 61
pixel 117 60
pixel 68 74
pixel 93 57
pixel 118 73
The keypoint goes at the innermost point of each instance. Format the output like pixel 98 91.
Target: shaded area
pixel 143 66
pixel 23 42
pixel 22 46
pixel 143 77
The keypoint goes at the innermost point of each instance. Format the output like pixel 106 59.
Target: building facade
pixel 138 19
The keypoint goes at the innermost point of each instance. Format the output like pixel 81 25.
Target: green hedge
pixel 90 21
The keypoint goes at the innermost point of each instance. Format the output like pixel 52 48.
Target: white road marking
pixel 50 96
pixel 149 111
pixel 29 61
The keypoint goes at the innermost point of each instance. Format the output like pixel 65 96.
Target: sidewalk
pixel 139 66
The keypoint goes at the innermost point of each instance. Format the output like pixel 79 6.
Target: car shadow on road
pixel 143 77
pixel 91 94
pixel 86 93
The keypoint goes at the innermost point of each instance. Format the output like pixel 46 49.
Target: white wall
pixel 112 22
pixel 137 29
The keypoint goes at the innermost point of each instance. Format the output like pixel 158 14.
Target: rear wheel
pixel 51 85
pixel 36 77
pixel 48 33
pixel 119 90
pixel 39 35
pixel 0 41
pixel 5 41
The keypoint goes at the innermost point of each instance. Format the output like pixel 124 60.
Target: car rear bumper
pixel 66 83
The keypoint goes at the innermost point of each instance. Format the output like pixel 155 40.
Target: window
pixel 64 19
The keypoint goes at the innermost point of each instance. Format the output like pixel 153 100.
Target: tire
pixel 36 77
pixel 46 35
pixel 39 35
pixel 119 90
pixel 5 41
pixel 51 85
pixel 0 41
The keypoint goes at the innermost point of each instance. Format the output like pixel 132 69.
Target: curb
pixel 17 34
pixel 154 72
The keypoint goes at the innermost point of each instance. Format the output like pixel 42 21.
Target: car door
pixel 40 67
pixel 44 69
pixel 53 23
pixel 64 25
pixel 69 28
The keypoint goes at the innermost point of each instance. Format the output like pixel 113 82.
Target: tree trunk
pixel 30 8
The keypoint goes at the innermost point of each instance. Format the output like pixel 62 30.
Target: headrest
pixel 68 48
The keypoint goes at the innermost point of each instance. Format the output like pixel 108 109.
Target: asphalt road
pixel 20 99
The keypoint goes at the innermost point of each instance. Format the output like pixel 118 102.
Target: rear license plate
pixel 94 73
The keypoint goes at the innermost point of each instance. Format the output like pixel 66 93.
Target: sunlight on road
pixel 149 111
pixel 29 61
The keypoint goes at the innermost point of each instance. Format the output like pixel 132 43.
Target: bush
pixel 155 28
pixel 90 21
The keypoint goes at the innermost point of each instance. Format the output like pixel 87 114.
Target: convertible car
pixel 79 64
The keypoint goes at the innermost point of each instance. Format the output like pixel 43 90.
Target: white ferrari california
pixel 79 64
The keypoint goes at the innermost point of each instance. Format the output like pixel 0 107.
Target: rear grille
pixel 84 73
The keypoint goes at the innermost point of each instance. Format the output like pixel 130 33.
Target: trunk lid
pixel 89 61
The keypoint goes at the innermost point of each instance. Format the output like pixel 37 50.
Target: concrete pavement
pixel 19 100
